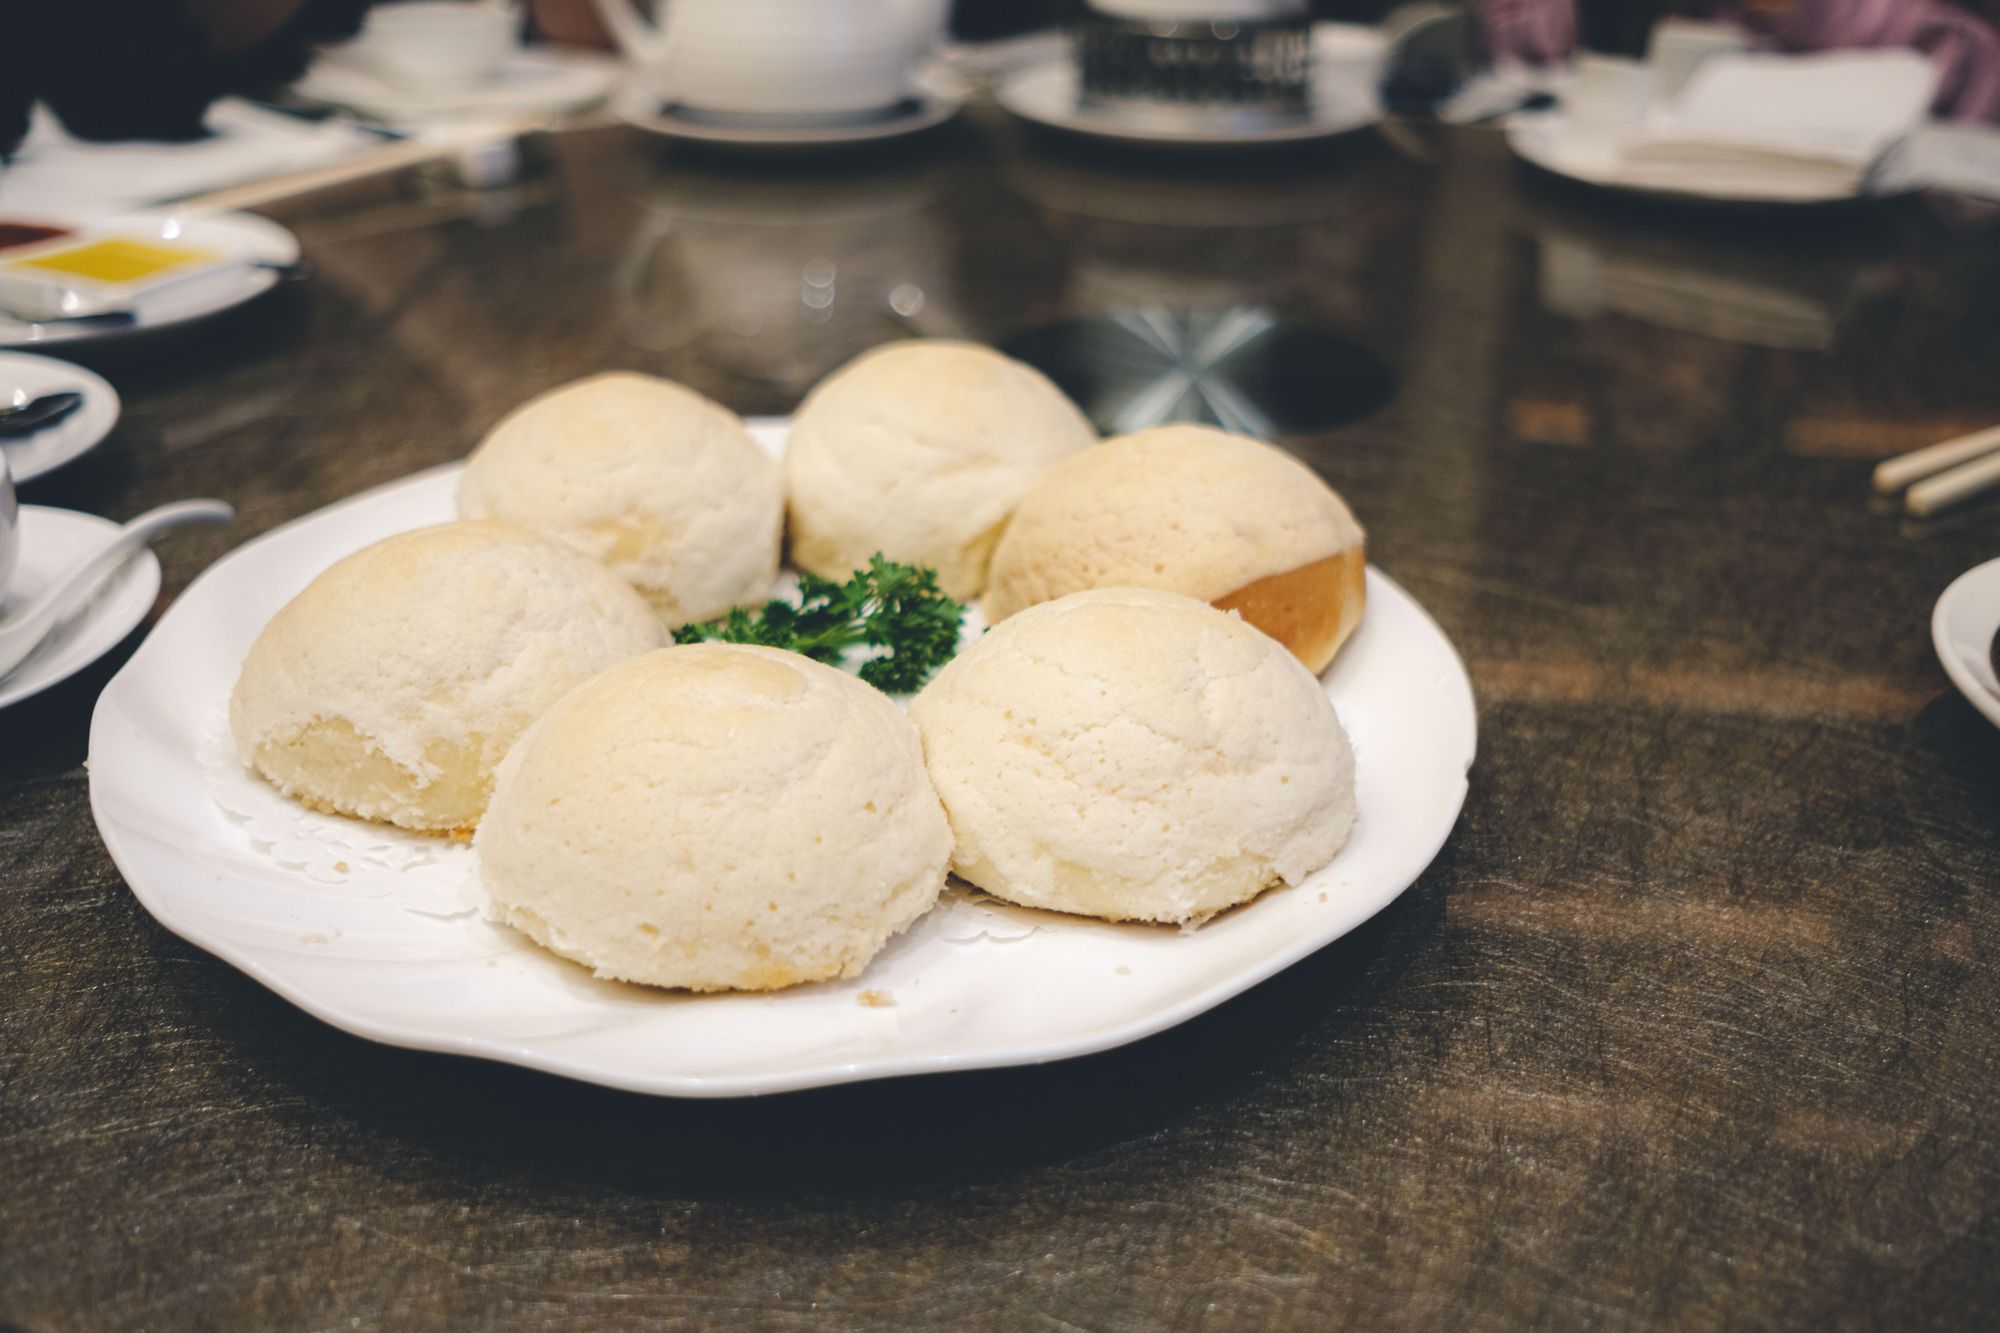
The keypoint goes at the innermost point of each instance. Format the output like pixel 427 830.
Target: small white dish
pixel 249 241
pixel 933 100
pixel 1962 630
pixel 53 542
pixel 543 81
pixel 29 456
pixel 1552 142
pixel 1345 98
pixel 379 933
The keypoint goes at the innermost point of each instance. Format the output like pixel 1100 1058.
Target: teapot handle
pixel 643 42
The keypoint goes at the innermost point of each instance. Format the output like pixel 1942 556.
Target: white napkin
pixel 56 174
pixel 1963 159
pixel 536 84
pixel 1825 116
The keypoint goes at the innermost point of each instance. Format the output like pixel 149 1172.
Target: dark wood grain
pixel 1694 1023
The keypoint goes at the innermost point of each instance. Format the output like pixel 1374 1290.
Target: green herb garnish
pixel 896 609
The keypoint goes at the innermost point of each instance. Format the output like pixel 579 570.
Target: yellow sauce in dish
pixel 113 261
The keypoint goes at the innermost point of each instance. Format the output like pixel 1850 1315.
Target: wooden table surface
pixel 1694 1022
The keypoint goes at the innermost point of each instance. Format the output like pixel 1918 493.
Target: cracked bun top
pixel 921 450
pixel 1135 755
pixel 393 684
pixel 646 476
pixel 1193 510
pixel 716 817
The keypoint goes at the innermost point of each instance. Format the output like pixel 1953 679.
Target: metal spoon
pixel 39 413
pixel 23 631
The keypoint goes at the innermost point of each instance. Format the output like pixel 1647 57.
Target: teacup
pixel 438 46
pixel 795 60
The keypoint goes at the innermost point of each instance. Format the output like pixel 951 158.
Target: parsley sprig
pixel 896 609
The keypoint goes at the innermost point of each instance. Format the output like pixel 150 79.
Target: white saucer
pixel 1546 140
pixel 932 102
pixel 380 932
pixel 1962 629
pixel 29 456
pixel 244 237
pixel 53 542
pixel 541 81
pixel 1344 99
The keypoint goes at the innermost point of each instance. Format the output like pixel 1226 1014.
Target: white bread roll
pixel 646 476
pixel 391 687
pixel 920 450
pixel 716 817
pixel 1196 511
pixel 1134 755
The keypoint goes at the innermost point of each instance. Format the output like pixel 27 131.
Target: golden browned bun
pixel 1191 510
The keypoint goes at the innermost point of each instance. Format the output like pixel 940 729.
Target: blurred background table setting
pixel 1652 346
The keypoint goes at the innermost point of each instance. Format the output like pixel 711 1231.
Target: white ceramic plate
pixel 934 100
pixel 541 81
pixel 375 931
pixel 1344 98
pixel 29 456
pixel 1962 629
pixel 1546 141
pixel 244 237
pixel 53 542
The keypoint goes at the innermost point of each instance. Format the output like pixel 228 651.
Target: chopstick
pixel 391 157
pixel 1942 475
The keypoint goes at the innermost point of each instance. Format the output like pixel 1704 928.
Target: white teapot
pixel 798 59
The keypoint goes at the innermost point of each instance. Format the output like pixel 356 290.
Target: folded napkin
pixel 1960 159
pixel 56 174
pixel 1826 117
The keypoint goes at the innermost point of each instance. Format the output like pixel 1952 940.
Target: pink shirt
pixel 1963 44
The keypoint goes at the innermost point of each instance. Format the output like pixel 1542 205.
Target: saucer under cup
pixel 52 543
pixel 28 377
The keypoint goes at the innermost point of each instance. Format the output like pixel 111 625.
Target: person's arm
pixel 238 25
pixel 1964 47
pixel 1535 31
pixel 569 22
pixel 1966 51
pixel 148 69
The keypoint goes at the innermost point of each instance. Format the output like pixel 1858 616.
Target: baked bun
pixel 716 817
pixel 391 687
pixel 1134 755
pixel 920 450
pixel 650 478
pixel 1192 510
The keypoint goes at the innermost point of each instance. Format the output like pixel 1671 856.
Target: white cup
pixel 1607 99
pixel 797 59
pixel 10 524
pixel 1678 46
pixel 438 46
